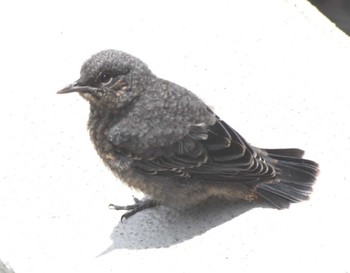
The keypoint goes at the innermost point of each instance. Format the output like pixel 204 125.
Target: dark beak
pixel 75 87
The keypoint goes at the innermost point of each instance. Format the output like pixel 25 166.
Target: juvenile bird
pixel 161 139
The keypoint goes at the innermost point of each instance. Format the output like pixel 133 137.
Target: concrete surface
pixel 276 70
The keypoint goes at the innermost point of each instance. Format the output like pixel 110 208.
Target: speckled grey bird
pixel 161 139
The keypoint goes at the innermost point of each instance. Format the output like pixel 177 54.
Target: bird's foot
pixel 132 209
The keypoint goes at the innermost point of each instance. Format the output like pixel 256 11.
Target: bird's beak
pixel 75 87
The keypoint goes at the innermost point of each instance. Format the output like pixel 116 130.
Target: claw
pixel 132 209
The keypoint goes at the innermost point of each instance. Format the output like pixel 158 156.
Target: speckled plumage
pixel 160 138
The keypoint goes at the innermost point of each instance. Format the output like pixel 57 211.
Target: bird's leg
pixel 132 209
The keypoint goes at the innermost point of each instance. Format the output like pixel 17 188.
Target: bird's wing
pixel 221 155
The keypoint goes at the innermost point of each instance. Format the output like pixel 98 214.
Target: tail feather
pixel 300 187
pixel 295 159
pixel 296 172
pixel 296 177
pixel 286 152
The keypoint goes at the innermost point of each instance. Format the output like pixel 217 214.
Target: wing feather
pixel 218 154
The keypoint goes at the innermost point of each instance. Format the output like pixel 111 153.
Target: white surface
pixel 277 71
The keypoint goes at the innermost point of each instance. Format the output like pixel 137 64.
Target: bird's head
pixel 110 80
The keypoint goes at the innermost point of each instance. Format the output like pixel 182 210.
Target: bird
pixel 161 139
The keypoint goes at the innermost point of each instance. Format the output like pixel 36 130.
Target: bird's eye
pixel 105 78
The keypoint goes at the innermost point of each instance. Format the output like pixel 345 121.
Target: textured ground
pixel 276 70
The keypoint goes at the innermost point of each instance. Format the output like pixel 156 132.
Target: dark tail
pixel 297 176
